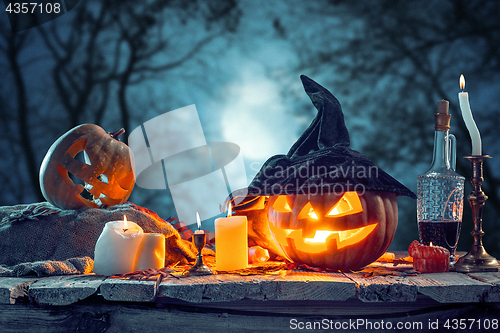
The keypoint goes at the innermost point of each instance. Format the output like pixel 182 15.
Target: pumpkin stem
pixel 116 133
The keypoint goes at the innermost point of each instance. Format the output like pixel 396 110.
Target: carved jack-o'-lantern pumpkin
pixel 339 231
pixel 104 176
pixel 323 204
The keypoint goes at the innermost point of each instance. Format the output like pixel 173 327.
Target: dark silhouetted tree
pixel 391 62
pixel 87 63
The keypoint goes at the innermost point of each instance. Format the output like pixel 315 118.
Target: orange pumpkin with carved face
pixel 343 231
pixel 104 176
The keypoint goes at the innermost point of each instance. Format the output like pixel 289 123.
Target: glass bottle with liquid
pixel 440 190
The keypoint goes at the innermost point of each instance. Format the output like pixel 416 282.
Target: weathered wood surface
pixel 14 290
pixel 129 290
pixel 292 286
pixel 121 317
pixel 494 279
pixel 264 303
pixel 384 288
pixel 349 307
pixel 452 287
pixel 289 286
pixel 64 290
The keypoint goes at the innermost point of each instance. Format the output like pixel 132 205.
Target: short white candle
pixel 151 252
pixel 463 98
pixel 116 249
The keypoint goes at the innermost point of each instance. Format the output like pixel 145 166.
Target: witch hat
pixel 321 160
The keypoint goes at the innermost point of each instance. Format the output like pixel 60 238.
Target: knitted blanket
pixel 42 239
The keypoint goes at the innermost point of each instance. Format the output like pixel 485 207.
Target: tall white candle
pixel 463 98
pixel 116 249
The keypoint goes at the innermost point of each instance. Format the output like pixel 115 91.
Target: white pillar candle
pixel 463 98
pixel 231 243
pixel 116 249
pixel 151 253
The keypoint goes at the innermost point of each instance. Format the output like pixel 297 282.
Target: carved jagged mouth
pixel 318 243
pixel 85 194
pixel 103 190
pixel 71 180
pixel 97 197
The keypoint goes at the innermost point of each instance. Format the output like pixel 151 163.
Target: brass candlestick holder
pixel 199 268
pixel 477 260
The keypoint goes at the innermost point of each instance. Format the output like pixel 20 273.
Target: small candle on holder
pixel 199 241
pixel 116 248
pixel 199 231
pixel 463 98
pixel 231 242
pixel 428 258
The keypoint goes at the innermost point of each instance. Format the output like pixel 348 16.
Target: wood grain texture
pixel 129 290
pixel 227 288
pixel 64 290
pixel 488 277
pixel 264 303
pixel 384 288
pixel 315 286
pixel 14 290
pixel 351 306
pixel 131 317
pixel 451 287
pixel 494 279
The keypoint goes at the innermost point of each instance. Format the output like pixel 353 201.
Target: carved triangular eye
pixel 281 205
pixel 307 212
pixel 83 157
pixel 347 205
pixel 76 148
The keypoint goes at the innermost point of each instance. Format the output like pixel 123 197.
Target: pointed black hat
pixel 321 160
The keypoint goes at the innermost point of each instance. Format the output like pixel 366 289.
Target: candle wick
pixel 125 230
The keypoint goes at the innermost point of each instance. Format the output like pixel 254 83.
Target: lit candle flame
pixel 430 244
pixel 198 220
pixel 462 82
pixel 125 223
pixel 463 99
pixel 230 208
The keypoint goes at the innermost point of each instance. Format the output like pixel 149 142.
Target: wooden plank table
pixel 273 302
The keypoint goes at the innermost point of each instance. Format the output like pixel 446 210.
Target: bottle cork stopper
pixel 442 117
pixel 443 106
